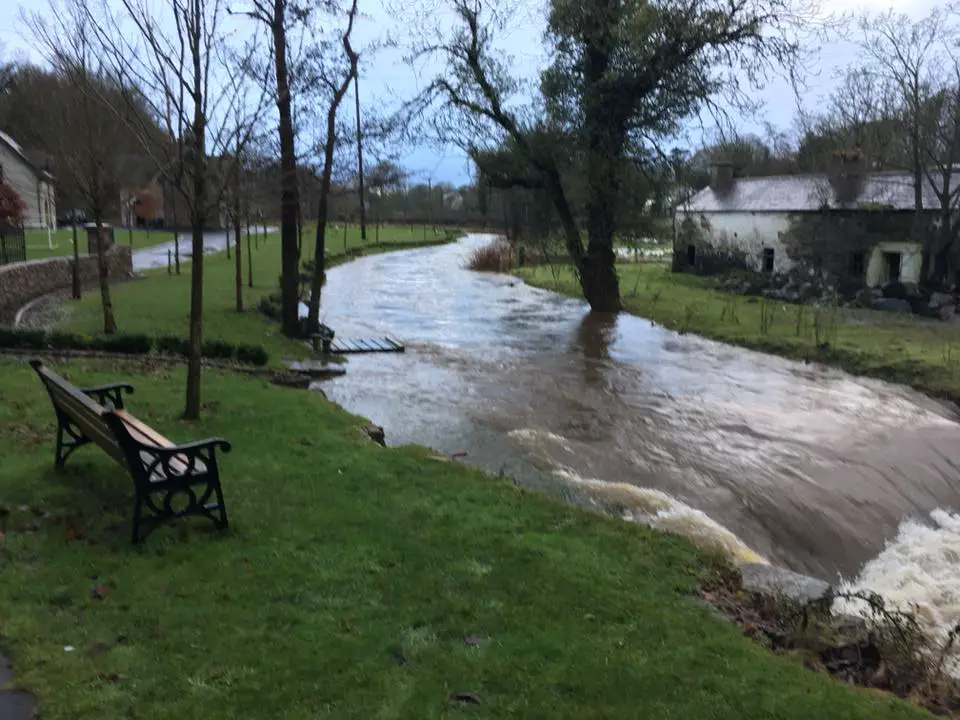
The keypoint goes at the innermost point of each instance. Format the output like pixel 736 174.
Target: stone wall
pixel 22 282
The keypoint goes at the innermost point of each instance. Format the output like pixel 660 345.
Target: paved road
pixel 156 256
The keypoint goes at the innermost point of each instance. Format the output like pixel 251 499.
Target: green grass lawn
pixel 38 241
pixel 902 348
pixel 160 305
pixel 348 582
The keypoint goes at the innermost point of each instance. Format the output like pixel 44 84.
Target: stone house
pixel 33 184
pixel 138 173
pixel 859 226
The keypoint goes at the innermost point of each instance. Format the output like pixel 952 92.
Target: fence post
pixel 3 249
pixel 169 262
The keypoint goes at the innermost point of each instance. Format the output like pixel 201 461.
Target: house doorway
pixel 768 256
pixel 892 262
pixel 691 255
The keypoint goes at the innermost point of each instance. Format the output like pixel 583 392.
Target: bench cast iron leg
pixel 137 503
pixel 68 439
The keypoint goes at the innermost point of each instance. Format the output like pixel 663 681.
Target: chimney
pixel 721 176
pixel 846 175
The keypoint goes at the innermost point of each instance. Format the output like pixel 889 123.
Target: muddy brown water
pixel 811 468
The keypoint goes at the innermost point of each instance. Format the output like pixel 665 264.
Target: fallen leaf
pixel 474 640
pixel 99 591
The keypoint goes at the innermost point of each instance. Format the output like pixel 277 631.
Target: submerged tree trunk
pixel 109 322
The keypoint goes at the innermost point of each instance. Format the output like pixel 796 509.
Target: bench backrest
pixel 86 414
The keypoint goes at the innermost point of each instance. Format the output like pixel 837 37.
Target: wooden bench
pixel 170 481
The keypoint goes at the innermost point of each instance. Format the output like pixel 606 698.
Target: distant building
pixel 33 184
pixel 858 226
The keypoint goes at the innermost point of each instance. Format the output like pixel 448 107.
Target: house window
pixel 891 266
pixel 768 260
pixel 857 264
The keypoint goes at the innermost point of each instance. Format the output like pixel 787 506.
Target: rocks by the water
pixel 315 369
pixel 292 380
pixel 887 304
pixel 774 581
pixel 947 312
pixel 375 433
pixel 941 299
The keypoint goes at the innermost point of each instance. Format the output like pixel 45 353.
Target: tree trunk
pixel 249 260
pixel 176 238
pixel 363 210
pixel 109 322
pixel 75 270
pixel 323 207
pixel 290 271
pixel 605 134
pixel 198 218
pixel 238 264
pixel 192 409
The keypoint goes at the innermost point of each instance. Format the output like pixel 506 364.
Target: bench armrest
pixel 189 459
pixel 111 392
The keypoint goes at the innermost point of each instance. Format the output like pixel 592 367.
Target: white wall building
pixel 752 215
pixel 34 185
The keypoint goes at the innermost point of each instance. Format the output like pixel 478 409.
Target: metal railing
pixel 13 245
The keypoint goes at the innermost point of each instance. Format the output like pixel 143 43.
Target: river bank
pixel 403 582
pixel 919 352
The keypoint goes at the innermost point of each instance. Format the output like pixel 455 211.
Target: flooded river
pixel 804 466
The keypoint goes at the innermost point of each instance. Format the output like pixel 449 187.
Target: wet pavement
pixel 156 256
pixel 14 704
pixel 810 467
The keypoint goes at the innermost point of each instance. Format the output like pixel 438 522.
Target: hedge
pixel 130 344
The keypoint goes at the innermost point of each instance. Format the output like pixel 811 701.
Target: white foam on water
pixel 535 438
pixel 664 512
pixel 918 571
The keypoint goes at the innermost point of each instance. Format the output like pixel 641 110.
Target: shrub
pixel 495 257
pixel 218 349
pixel 270 306
pixel 128 344
pixel 67 341
pixel 22 339
pixel 170 345
pixel 252 355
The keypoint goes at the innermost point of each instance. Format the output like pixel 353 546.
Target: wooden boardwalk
pixel 342 346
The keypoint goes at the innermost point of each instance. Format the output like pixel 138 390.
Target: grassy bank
pixel 349 582
pixel 38 242
pixel 915 351
pixel 160 305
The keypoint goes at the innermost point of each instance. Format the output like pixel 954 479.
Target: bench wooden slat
pixel 148 433
pixel 148 436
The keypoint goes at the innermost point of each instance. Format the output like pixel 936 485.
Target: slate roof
pixel 807 193
pixel 15 148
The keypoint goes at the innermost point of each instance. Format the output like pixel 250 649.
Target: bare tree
pixel 82 135
pixel 276 16
pixel 243 132
pixel 166 53
pixel 901 51
pixel 334 82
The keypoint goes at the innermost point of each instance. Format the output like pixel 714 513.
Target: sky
pixel 386 78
